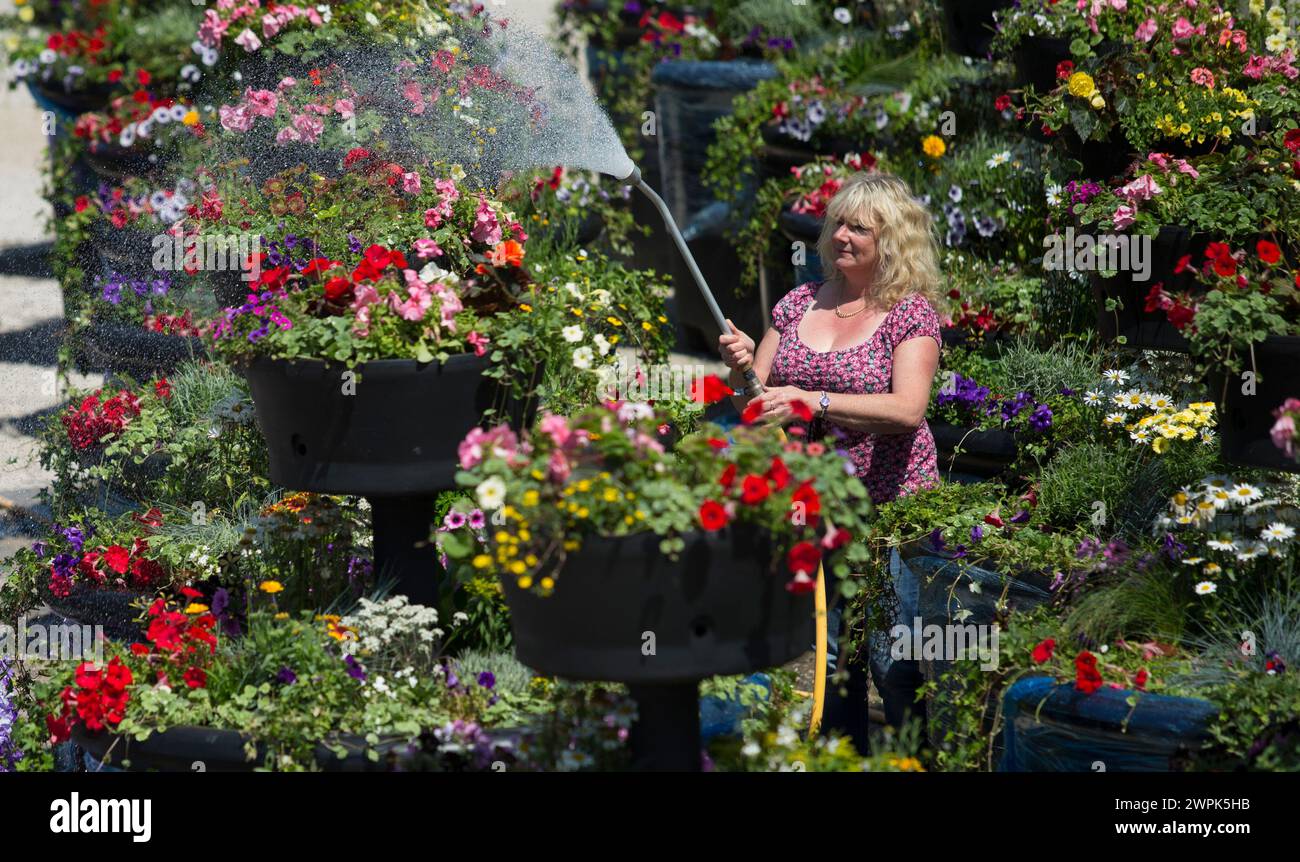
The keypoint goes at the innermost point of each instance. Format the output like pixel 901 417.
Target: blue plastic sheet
pixel 1051 727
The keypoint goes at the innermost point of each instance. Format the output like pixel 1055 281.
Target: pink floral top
pixel 889 464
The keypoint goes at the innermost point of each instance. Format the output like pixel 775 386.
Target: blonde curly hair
pixel 905 241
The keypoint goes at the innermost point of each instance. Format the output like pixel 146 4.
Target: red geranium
pixel 196 677
pixel 712 515
pixel 778 473
pixel 1087 679
pixel 811 501
pixel 1140 679
pixel 1002 102
pixel 1292 140
pixel 162 387
pixel 1043 651
pixel 1064 69
pixel 337 288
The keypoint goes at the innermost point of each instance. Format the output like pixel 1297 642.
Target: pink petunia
pixel 248 41
pixel 486 228
pixel 1146 31
pixel 286 82
pixel 236 118
pixel 270 25
pixel 1141 189
pixel 262 102
pixel 427 248
pixel 287 135
pixel 346 108
pixel 411 93
pixel 212 29
pixel 1183 29
pixel 411 182
pixel 309 127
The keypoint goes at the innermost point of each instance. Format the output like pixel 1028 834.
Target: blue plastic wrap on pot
pixel 689 97
pixel 1051 727
pixel 722 716
pixel 946 591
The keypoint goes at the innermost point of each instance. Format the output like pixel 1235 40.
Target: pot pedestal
pixel 402 548
pixel 666 735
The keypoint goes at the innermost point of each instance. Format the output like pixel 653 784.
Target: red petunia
pixel 728 476
pixel 1225 266
pixel 143 76
pixel 752 411
pixel 806 496
pixel 196 677
pixel 1180 315
pixel 1140 679
pixel 1002 102
pixel 804 558
pixel 1268 251
pixel 709 390
pixel 754 490
pixel 81 203
pixel 778 473
pixel 1087 679
pixel 1182 264
pixel 1292 140
pixel 1043 651
pixel 114 76
pixel 712 515
pixel 717 445
pixel 117 558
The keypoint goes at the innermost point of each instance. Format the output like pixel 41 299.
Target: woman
pixel 860 350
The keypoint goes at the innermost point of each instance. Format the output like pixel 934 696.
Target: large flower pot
pixel 123 348
pixel 983 453
pixel 1051 727
pixel 622 611
pixel 1142 329
pixel 806 229
pixel 124 251
pixel 114 610
pixel 969 25
pixel 1245 419
pixel 389 432
pixel 67 104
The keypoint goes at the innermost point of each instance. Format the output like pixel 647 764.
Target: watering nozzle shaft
pixel 753 386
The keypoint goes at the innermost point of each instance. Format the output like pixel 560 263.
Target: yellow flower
pixel 525 582
pixel 1160 445
pixel 934 147
pixel 26 15
pixel 611 495
pixel 1081 85
pixel 525 307
pixel 282 615
pixel 517 567
pixel 645 324
pixel 572 544
pixel 538 475
pixel 613 321
pixel 271 587
pixel 196 608
pixel 482 561
pixel 530 498
pixel 191 118
pixel 1098 102
pixel 547 583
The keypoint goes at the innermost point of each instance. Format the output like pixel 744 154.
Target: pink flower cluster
pixel 1145 187
pixel 305 127
pixel 1259 67
pixel 486 228
pixel 500 442
pixel 1283 431
pixel 216 22
pixel 449 194
pixel 414 306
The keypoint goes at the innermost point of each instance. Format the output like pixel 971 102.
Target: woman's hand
pixel 778 403
pixel 737 350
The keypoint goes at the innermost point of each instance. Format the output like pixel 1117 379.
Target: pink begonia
pixel 346 108
pixel 470 450
pixel 480 343
pixel 287 135
pixel 557 469
pixel 212 29
pixel 555 427
pixel 262 102
pixel 411 93
pixel 236 118
pixel 1141 189
pixel 1183 29
pixel 411 182
pixel 1146 31
pixel 309 127
pixel 1203 76
pixel 450 305
pixel 248 41
pixel 427 248
pixel 286 82
pixel 1123 217
pixel 1283 433
pixel 486 229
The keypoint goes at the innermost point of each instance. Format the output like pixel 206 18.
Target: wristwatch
pixel 825 402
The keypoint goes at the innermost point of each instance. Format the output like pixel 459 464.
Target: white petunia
pixel 491 493
pixel 602 344
pixel 582 358
pixel 572 334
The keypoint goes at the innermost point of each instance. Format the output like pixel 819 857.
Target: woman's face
pixel 854 246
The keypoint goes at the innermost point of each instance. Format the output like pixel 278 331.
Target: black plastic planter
pixel 123 348
pixel 68 104
pixel 1057 728
pixel 969 25
pixel 799 227
pixel 986 454
pixel 389 432
pixel 124 251
pixel 115 610
pixel 622 611
pixel 1036 59
pixel 1148 330
pixel 1245 420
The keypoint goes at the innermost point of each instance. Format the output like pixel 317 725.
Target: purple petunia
pixel 286 676
pixel 355 670
pixel 487 679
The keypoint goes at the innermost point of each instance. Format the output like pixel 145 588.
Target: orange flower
pixel 508 252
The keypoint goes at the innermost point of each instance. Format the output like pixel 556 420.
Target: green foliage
pixel 1061 365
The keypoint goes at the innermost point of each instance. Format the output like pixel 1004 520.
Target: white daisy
pixel 1247 554
pixel 1115 418
pixel 1157 401
pixel 1141 435
pixel 998 159
pixel 1222 544
pixel 1220 497
pixel 1212 482
pixel 1204 588
pixel 1193 561
pixel 1212 569
pixel 1131 399
pixel 1115 376
pixel 1053 195
pixel 1277 532
pixel 1092 398
pixel 1243 492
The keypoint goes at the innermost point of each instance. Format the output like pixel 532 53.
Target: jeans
pixel 896 680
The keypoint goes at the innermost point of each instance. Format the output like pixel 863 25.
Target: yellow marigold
pixel 934 147
pixel 271 587
pixel 1081 85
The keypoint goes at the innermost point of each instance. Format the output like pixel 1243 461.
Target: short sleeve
pixel 914 317
pixel 790 309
